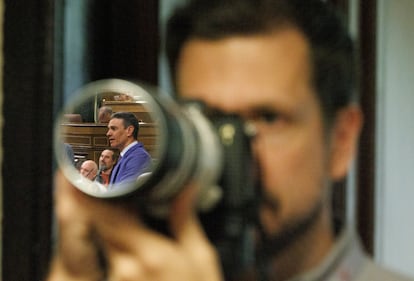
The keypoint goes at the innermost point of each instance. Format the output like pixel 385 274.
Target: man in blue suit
pixel 122 133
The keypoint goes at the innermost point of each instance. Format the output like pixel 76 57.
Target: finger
pixel 136 252
pixel 184 222
pixel 189 233
pixel 182 212
pixel 133 251
pixel 76 256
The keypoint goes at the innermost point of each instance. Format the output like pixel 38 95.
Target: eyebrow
pixel 255 110
pixel 259 109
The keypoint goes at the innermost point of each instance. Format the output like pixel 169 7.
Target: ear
pixel 130 130
pixel 344 140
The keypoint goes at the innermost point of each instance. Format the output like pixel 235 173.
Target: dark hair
pixel 106 109
pixel 129 119
pixel 115 152
pixel 332 50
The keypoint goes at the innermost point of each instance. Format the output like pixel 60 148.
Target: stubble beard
pixel 103 167
pixel 271 245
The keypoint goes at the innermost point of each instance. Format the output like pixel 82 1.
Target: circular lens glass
pixel 88 153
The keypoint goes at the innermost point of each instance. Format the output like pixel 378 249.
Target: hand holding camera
pixel 202 169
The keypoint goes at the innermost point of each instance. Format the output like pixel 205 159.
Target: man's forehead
pixel 107 152
pixel 246 71
pixel 87 166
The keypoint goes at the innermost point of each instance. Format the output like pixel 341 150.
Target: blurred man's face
pixel 106 159
pixel 267 79
pixel 103 115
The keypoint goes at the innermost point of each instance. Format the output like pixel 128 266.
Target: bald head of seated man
pixel 89 169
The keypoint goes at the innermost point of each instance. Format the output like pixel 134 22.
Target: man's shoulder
pixel 373 271
pixel 349 261
pixel 137 155
pixel 138 148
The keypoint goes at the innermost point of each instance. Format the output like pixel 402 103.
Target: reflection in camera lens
pixel 185 146
pixel 181 141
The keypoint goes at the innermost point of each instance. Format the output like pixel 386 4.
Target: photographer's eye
pixel 265 116
pixel 268 117
pixel 267 120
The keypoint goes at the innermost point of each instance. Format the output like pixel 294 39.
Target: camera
pixel 189 143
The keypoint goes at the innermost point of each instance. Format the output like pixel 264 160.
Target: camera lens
pixel 181 141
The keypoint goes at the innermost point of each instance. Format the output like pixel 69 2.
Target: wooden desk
pixel 89 139
pixel 137 108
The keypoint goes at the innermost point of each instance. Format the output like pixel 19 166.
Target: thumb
pixel 76 256
pixel 187 230
pixel 182 216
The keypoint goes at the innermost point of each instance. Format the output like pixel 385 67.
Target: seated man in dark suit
pixel 133 159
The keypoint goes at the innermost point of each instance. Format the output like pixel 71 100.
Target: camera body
pixel 212 150
pixel 230 224
pixel 220 161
